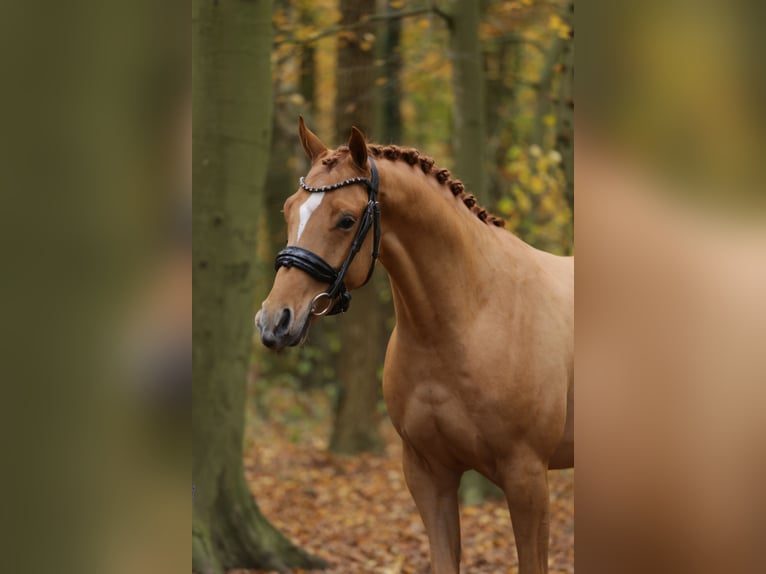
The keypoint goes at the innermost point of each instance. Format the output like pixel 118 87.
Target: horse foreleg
pixel 525 483
pixel 434 489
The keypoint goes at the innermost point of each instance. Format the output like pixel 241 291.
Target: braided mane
pixel 427 164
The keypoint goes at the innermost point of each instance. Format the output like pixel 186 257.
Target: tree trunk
pixel 389 117
pixel 565 129
pixel 475 489
pixel 232 119
pixel 357 421
pixel 544 90
pixel 308 77
pixel 501 69
pixel 470 134
pixel 355 76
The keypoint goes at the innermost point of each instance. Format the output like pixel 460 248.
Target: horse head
pixel 328 219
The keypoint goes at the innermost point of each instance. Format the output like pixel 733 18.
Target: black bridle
pixel 338 296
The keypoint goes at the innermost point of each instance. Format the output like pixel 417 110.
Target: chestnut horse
pixel 479 368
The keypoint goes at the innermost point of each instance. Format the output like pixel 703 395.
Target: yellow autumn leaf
pixel 297 99
pixel 505 206
pixel 304 32
pixel 536 184
pixel 523 202
pixel 547 205
pixel 279 18
pixel 561 218
pixel 532 35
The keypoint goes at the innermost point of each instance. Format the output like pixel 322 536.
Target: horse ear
pixel 357 145
pixel 312 145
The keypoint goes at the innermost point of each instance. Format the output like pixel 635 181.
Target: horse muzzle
pixel 280 328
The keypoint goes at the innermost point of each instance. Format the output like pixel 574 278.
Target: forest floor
pixel 356 512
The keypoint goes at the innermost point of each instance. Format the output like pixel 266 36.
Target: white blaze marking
pixel 307 209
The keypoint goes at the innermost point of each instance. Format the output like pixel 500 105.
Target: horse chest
pixel 453 407
pixel 431 416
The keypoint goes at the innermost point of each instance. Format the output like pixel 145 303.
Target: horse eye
pixel 347 222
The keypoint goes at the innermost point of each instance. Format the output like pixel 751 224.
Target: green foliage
pixel 426 89
pixel 536 209
pixel 310 366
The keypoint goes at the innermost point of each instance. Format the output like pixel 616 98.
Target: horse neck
pixel 431 246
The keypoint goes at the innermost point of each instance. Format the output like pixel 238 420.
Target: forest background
pixel 484 87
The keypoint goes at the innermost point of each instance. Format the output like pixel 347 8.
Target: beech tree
pixel 231 134
pixel 469 110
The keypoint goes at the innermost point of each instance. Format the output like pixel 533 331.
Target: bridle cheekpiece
pixel 338 297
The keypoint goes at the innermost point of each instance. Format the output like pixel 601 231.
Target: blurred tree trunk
pixel 502 62
pixel 565 128
pixel 308 65
pixel 544 91
pixel 469 92
pixel 475 489
pixel 357 421
pixel 389 116
pixel 354 74
pixel 232 119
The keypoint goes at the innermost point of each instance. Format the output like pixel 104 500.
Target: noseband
pixel 337 296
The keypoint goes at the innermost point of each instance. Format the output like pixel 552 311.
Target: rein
pixel 338 297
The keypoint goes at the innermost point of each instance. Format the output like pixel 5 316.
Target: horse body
pixel 480 365
pixel 479 368
pixel 481 317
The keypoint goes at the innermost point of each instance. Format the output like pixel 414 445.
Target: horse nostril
pixel 284 321
pixel 269 340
